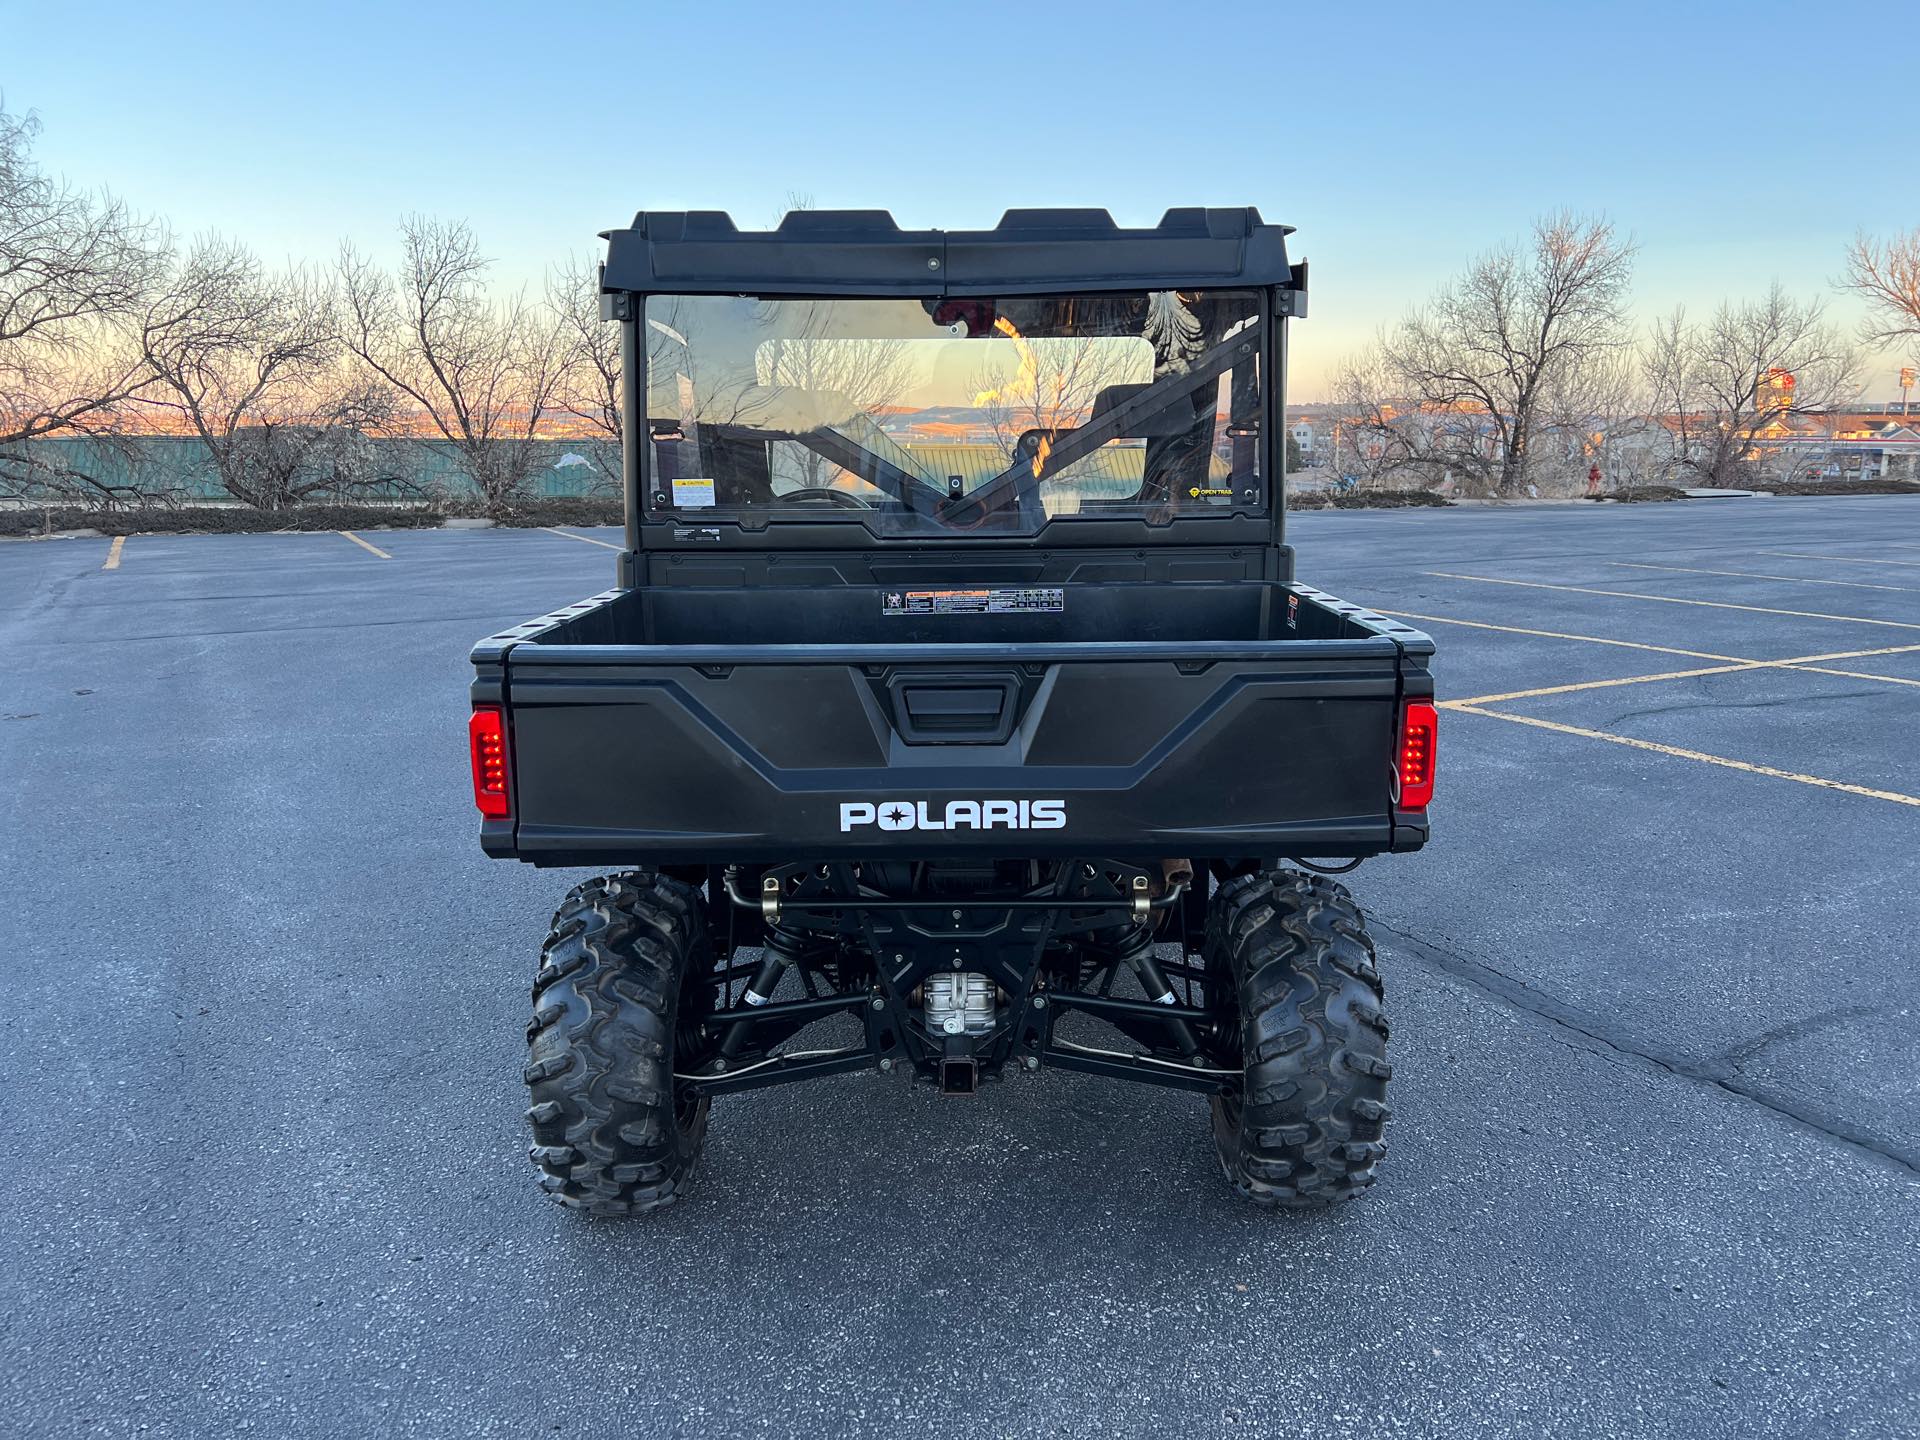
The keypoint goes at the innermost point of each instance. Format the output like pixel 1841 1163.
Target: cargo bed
pixel 687 725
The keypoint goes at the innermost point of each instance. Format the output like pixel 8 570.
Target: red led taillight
pixel 1414 760
pixel 492 785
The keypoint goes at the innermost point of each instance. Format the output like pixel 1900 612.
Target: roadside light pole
pixel 1906 384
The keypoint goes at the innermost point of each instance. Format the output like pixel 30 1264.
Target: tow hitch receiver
pixel 959 1075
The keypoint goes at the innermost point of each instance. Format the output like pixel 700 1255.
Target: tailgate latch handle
pixel 954 709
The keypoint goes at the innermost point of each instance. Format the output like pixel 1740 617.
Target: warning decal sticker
pixel 693 492
pixel 1026 600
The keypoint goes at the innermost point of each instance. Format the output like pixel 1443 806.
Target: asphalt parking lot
pixel 1655 1164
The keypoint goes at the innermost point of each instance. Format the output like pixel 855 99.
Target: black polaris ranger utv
pixel 956 703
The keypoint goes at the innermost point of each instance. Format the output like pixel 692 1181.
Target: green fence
pixel 179 468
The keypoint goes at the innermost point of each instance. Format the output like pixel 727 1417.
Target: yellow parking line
pixel 1736 662
pixel 1732 667
pixel 1560 635
pixel 1674 600
pixel 1843 559
pixel 1474 700
pixel 1793 662
pixel 1755 575
pixel 1677 675
pixel 1700 755
pixel 1846 655
pixel 585 539
pixel 349 535
pixel 1810 663
pixel 113 553
pixel 1856 675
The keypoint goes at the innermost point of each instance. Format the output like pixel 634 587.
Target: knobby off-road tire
pixel 623 977
pixel 1305 1001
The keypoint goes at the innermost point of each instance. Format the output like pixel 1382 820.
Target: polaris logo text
pixel 955 815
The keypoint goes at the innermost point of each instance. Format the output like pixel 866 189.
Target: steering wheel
pixel 845 499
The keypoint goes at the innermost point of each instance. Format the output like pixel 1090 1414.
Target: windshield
pixel 954 416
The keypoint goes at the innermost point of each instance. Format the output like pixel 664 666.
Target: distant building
pixel 1854 444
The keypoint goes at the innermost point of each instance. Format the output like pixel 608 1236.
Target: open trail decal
pixel 954 815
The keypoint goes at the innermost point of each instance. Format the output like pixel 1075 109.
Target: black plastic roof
pixel 863 252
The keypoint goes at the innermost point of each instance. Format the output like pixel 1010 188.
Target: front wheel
pixel 619 994
pixel 1301 994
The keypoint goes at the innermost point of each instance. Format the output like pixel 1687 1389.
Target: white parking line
pixel 1843 559
pixel 1755 575
pixel 1560 635
pixel 584 539
pixel 1676 600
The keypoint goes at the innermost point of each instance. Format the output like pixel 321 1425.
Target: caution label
pixel 1021 601
pixel 691 492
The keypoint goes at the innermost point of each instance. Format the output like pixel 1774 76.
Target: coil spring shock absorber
pixel 786 945
pixel 1133 947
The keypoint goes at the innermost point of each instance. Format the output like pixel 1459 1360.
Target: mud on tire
pixel 1304 999
pixel 621 988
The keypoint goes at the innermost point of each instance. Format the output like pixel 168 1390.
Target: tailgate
pixel 677 754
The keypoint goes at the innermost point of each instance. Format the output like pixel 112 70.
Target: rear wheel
pixel 1302 997
pixel 623 983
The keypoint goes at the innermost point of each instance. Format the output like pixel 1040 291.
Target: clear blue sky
pixel 1736 142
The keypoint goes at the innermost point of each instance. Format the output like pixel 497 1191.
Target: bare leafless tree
pixel 1381 437
pixel 1724 386
pixel 1387 438
pixel 868 374
pixel 1673 392
pixel 75 269
pixel 1053 384
pixel 1490 345
pixel 695 372
pixel 1594 417
pixel 250 363
pixel 1886 274
pixel 480 372
pixel 805 354
pixel 796 200
pixel 588 385
pixel 1623 437
pixel 799 354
